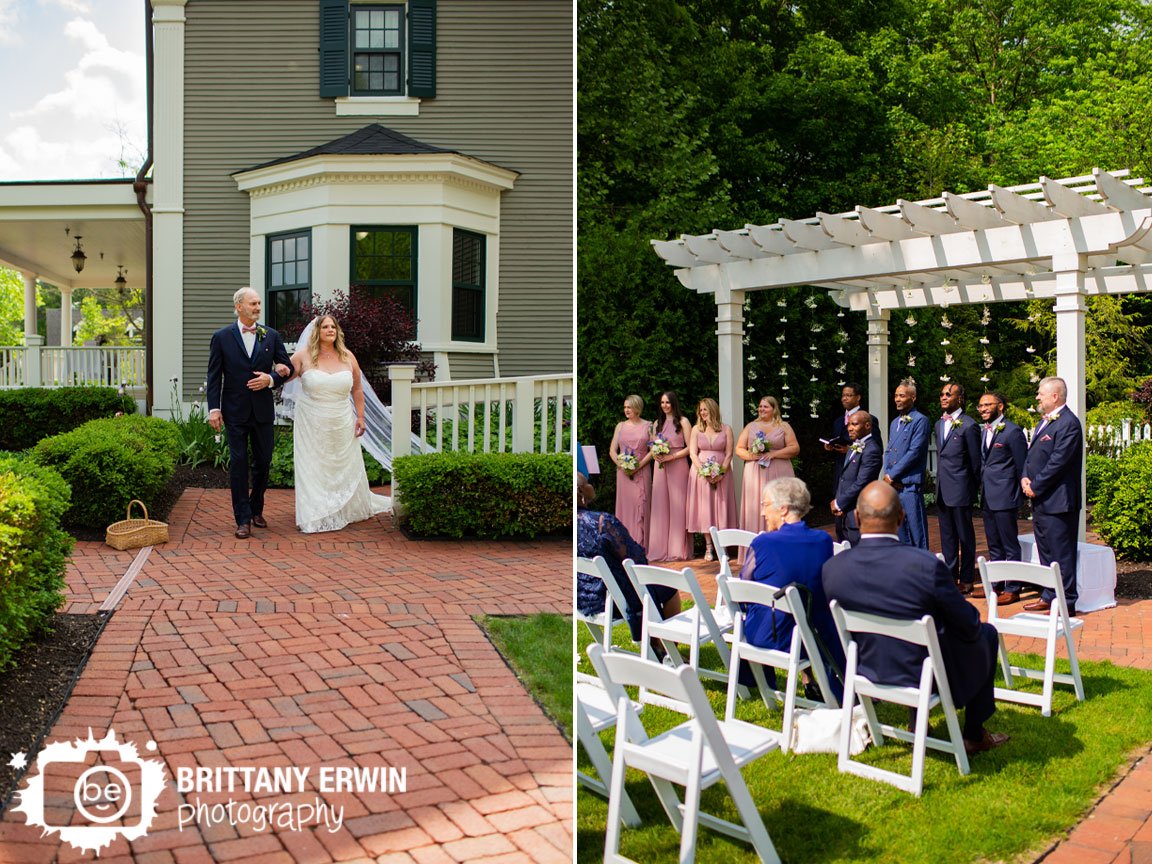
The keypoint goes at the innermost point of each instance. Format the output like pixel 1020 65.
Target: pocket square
pixel 994 446
pixel 1046 438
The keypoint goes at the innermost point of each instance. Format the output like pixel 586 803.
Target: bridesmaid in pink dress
pixel 668 539
pixel 767 445
pixel 633 486
pixel 710 501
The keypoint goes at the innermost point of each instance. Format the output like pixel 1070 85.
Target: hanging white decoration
pixel 747 340
pixel 842 368
pixel 988 361
pixel 983 340
pixel 945 342
pixel 780 338
pixel 911 359
pixel 810 301
pixel 1030 350
pixel 944 322
pixel 817 328
pixel 948 361
pixel 751 374
pixel 783 320
pixel 910 321
pixel 986 318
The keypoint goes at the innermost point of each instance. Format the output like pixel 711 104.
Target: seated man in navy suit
pixel 1003 449
pixel 882 576
pixel 862 465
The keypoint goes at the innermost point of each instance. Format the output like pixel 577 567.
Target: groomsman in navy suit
pixel 1052 480
pixel 850 397
pixel 957 478
pixel 862 465
pixel 1003 451
pixel 905 461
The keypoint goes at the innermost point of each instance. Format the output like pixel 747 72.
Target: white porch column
pixel 878 366
pixel 65 316
pixel 29 304
pixel 730 363
pixel 1071 310
pixel 168 206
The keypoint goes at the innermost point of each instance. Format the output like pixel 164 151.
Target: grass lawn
pixel 539 650
pixel 1016 799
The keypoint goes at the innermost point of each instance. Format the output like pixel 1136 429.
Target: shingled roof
pixel 374 140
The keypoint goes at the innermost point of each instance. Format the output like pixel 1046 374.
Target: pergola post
pixel 878 365
pixel 29 303
pixel 1071 310
pixel 730 360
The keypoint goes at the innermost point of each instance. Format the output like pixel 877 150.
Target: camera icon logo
pixel 92 791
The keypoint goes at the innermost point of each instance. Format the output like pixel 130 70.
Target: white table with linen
pixel 1095 573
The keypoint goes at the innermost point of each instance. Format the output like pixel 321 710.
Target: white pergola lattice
pixel 1060 239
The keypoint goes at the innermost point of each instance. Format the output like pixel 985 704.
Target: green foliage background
pixel 702 114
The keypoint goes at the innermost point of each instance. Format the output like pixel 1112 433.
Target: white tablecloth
pixel 1095 573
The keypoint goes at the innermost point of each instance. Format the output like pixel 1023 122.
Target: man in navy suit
pixel 905 462
pixel 861 466
pixel 1003 450
pixel 957 478
pixel 883 576
pixel 850 396
pixel 1051 479
pixel 242 371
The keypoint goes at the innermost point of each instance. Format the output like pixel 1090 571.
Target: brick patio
pixel 351 648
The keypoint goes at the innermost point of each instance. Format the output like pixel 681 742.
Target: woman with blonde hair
pixel 711 497
pixel 767 446
pixel 629 451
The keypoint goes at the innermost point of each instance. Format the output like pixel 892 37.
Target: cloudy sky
pixel 72 100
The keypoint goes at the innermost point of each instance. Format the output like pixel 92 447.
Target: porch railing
pixel 486 415
pixel 53 366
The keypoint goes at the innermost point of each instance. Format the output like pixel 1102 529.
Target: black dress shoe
pixel 989 741
pixel 965 588
pixel 243 532
pixel 259 521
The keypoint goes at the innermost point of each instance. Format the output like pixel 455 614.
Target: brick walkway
pixel 355 648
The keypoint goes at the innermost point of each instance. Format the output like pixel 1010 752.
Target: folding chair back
pixel 1051 626
pixel 600 624
pixel 596 711
pixel 793 661
pixel 723 538
pixel 919 632
pixel 696 754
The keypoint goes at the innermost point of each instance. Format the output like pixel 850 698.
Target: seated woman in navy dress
pixel 789 551
pixel 603 534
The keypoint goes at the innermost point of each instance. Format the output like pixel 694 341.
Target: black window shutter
pixel 333 47
pixel 422 48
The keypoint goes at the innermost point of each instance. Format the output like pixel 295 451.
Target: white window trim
pixel 377 106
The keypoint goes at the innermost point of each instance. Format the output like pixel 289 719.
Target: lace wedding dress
pixel 331 485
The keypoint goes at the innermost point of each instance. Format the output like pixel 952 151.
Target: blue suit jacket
pixel 1053 465
pixel 885 577
pixel 906 458
pixel 230 369
pixel 1003 466
pixel 859 470
pixel 957 463
pixel 840 430
pixel 793 553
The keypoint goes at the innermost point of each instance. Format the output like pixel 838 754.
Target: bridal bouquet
pixel 659 447
pixel 759 443
pixel 627 461
pixel 710 470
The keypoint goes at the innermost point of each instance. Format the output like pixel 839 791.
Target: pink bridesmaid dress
pixel 710 504
pixel 668 539
pixel 633 493
pixel 751 517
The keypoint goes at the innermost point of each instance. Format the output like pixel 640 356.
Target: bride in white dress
pixel 331 484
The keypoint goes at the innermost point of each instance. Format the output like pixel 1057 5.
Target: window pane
pixel 302 272
pixel 391 63
pixel 362 18
pixel 402 243
pixel 376 81
pixel 376 63
pixel 392 18
pixel 277 251
pixel 277 275
pixel 362 39
pixel 361 81
pixel 301 247
pixel 377 40
pixel 377 19
pixel 289 249
pixel 290 273
pixel 391 39
pixel 391 81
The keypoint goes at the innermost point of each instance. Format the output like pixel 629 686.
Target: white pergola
pixel 1061 239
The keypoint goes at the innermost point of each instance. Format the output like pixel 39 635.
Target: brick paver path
pixel 354 648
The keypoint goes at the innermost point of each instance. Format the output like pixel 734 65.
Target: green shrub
pixel 109 462
pixel 484 494
pixel 1115 413
pixel 1101 472
pixel 283 472
pixel 33 550
pixel 32 413
pixel 198 441
pixel 1123 512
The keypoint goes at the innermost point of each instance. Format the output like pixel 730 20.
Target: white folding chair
pixel 1049 626
pixel 700 625
pixel 789 602
pixel 841 546
pixel 721 540
pixel 596 711
pixel 922 698
pixel 696 754
pixel 600 624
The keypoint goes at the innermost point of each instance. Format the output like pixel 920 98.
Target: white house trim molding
pixel 168 199
pixel 377 106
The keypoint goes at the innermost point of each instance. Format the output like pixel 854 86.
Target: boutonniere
pixel 1054 416
pixel 999 427
pixel 261 331
pixel 905 419
pixel 956 423
pixel 857 447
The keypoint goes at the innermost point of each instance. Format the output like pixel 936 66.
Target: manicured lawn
pixel 1016 799
pixel 539 650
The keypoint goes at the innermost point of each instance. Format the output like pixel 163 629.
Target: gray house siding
pixel 472 366
pixel 504 73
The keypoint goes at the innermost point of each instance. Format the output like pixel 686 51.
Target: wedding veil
pixel 377 438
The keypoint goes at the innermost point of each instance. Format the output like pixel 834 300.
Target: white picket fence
pixel 1113 440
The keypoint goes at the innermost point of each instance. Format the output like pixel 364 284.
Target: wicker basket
pixel 132 533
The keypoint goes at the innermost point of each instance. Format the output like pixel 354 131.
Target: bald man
pixel 882 576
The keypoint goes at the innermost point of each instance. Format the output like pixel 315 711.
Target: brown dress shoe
pixel 965 588
pixel 259 522
pixel 978 593
pixel 1037 606
pixel 243 532
pixel 990 741
pixel 1006 598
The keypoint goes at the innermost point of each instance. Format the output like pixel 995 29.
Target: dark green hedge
pixel 33 413
pixel 1123 511
pixel 282 474
pixel 484 495
pixel 110 462
pixel 33 550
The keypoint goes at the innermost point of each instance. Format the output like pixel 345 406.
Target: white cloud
pixel 9 15
pixel 81 6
